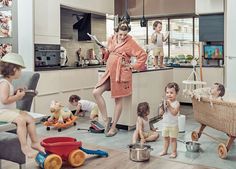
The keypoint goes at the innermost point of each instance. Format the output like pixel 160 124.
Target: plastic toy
pixel 64 149
pixel 61 117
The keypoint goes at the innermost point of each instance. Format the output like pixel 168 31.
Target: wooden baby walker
pixel 64 149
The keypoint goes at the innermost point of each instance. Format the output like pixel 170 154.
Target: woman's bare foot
pixel 28 151
pixel 173 155
pixel 163 153
pixel 38 147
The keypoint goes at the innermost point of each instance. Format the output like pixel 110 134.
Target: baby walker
pixel 64 149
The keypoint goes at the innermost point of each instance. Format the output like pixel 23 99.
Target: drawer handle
pixel 232 57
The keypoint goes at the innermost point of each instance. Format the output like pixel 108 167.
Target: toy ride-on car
pixel 64 149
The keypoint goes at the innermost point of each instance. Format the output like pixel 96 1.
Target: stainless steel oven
pixel 47 55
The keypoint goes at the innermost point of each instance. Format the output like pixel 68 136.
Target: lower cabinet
pixel 148 87
pixel 60 84
pixel 210 76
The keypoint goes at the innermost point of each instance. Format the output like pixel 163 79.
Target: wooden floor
pixel 117 160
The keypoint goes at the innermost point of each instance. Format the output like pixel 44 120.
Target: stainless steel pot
pixel 139 152
pixel 191 146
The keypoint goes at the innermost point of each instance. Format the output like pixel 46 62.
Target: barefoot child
pixel 157 39
pixel 143 130
pixel 10 69
pixel 170 119
pixel 83 106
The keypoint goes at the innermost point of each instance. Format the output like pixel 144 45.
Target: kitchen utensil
pixel 191 146
pixel 139 152
pixel 31 92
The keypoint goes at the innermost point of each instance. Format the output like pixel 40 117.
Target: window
pixel 183 40
pixel 181 37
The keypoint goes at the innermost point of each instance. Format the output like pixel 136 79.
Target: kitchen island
pixel 148 86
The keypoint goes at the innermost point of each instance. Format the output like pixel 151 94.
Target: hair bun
pixel 123 23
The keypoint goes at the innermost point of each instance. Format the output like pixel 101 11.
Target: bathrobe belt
pixel 121 62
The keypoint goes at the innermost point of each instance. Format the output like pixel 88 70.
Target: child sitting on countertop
pixel 83 106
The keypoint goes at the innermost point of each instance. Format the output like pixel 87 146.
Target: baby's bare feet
pixel 38 147
pixel 28 151
pixel 163 153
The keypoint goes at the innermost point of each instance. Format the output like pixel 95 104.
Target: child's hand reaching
pixel 20 93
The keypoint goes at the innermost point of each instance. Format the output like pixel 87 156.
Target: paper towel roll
pixel 181 123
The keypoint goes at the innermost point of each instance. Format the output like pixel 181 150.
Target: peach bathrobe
pixel 116 55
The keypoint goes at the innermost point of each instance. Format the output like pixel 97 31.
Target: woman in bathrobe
pixel 118 75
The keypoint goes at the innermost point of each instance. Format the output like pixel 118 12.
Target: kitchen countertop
pixel 147 70
pixel 68 67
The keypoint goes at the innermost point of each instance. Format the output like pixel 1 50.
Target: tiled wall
pixel 71 43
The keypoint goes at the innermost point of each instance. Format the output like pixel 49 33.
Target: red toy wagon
pixel 67 149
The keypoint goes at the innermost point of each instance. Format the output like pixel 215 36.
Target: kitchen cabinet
pixel 210 76
pixel 47 21
pixel 148 86
pixel 209 6
pixel 60 84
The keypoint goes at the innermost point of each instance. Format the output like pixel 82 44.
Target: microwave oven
pixel 47 55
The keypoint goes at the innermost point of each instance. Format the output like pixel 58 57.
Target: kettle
pixel 63 57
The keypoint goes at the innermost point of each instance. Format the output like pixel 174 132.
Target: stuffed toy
pixel 60 113
pixel 61 117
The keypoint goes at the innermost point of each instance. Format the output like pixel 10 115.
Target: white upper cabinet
pixel 209 6
pixel 47 21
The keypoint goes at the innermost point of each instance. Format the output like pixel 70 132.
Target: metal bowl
pixel 139 152
pixel 192 146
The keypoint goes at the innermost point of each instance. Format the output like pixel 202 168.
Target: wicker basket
pixel 220 115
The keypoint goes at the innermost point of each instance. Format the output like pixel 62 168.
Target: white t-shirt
pixel 170 120
pixel 11 92
pixel 159 41
pixel 87 105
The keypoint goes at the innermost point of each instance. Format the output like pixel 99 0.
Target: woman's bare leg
pixel 97 93
pixel 21 130
pixel 118 110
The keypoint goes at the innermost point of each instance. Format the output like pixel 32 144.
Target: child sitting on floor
pixel 143 130
pixel 83 106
